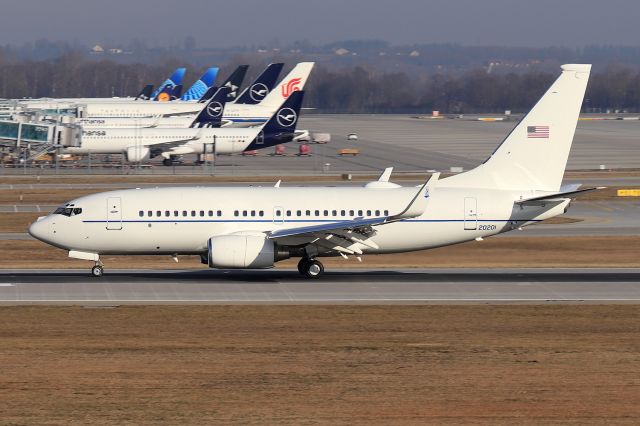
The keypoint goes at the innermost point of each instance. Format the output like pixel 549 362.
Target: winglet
pixel 277 185
pixel 403 214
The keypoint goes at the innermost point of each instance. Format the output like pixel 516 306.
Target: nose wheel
pixel 310 268
pixel 97 271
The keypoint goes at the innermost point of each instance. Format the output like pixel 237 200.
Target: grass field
pixel 494 365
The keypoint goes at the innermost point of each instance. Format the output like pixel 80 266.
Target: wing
pixel 347 236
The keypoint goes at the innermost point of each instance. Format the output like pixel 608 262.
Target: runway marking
pixel 7 285
pixel 551 300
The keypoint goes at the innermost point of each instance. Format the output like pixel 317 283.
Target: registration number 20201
pixel 487 227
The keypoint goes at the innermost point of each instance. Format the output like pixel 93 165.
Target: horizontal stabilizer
pixel 558 195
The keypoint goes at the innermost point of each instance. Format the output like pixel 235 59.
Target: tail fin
pixel 534 155
pixel 281 126
pixel 211 114
pixel 295 80
pixel 175 79
pixel 200 87
pixel 208 94
pixel 261 86
pixel 165 94
pixel 235 81
pixel 145 93
pixel 176 92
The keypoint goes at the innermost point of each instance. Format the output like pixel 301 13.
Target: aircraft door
pixel 278 215
pixel 470 213
pixel 114 213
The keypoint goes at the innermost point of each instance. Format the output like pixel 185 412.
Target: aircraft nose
pixel 39 229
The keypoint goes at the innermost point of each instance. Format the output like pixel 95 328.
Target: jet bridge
pixel 16 133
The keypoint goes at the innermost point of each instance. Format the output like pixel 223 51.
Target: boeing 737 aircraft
pixel 254 227
pixel 139 144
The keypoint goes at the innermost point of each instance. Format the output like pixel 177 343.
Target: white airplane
pixel 139 144
pixel 254 227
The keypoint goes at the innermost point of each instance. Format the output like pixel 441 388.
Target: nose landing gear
pixel 310 268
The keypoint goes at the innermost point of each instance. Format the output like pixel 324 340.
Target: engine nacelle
pixel 137 153
pixel 242 251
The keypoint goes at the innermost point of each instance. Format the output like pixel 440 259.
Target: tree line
pixel 357 89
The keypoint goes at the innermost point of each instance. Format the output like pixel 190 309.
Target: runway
pixel 410 286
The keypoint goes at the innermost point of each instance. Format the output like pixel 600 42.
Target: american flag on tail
pixel 540 132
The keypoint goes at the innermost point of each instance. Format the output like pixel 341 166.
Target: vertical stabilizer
pixel 534 155
pixel 294 81
pixel 200 87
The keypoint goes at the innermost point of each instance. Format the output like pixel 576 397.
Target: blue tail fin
pixel 281 127
pixel 211 114
pixel 165 94
pixel 200 87
pixel 175 79
pixel 261 86
pixel 235 81
pixel 145 93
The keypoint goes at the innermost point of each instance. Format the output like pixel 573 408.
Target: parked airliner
pixel 255 227
pixel 140 144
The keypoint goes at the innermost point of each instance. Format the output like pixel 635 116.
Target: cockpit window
pixel 68 211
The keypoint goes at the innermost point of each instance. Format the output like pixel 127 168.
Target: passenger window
pixel 308 212
pixel 326 212
pixel 236 213
pixel 244 213
pixel 377 212
pixel 201 213
pixel 359 212
pixel 335 213
pixel 343 212
pixel 184 213
pixel 158 213
pixel 368 212
pixel 253 213
pixel 288 212
pixel 219 213
pixel 149 213
pixel 299 213
pixel 261 213
pixel 317 212
pixel 386 212
pixel 210 213
pixel 141 213
pixel 351 213
pixel 167 213
pixel 175 212
pixel 193 213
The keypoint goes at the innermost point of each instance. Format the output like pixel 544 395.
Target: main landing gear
pixel 310 268
pixel 98 270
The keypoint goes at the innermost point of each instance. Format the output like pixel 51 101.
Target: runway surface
pixel 21 287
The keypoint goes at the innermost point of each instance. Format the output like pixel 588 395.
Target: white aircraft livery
pixel 255 227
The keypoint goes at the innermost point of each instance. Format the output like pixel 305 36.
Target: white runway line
pixel 7 285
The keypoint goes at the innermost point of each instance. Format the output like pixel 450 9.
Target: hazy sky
pixel 242 22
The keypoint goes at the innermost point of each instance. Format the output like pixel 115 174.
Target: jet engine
pixel 137 153
pixel 243 251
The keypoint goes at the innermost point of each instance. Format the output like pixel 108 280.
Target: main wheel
pixel 167 162
pixel 313 269
pixel 302 265
pixel 97 271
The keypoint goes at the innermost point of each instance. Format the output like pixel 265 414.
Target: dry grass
pixel 494 365
pixel 514 252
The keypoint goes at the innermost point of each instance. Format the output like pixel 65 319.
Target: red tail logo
pixel 290 87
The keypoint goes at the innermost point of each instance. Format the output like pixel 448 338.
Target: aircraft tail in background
pixel 261 86
pixel 174 80
pixel 200 87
